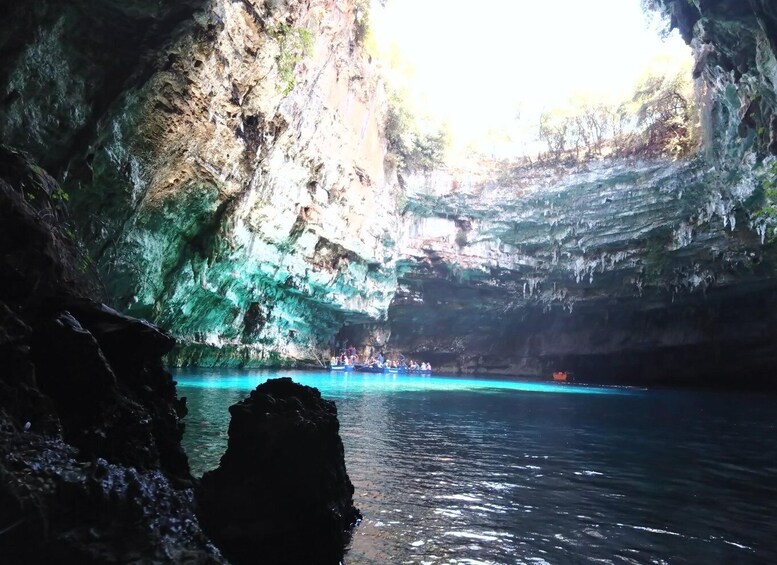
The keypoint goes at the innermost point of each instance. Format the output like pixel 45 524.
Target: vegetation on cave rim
pixel 412 148
pixel 659 119
pixel 412 145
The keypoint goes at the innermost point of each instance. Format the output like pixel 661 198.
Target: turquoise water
pixel 341 384
pixel 451 470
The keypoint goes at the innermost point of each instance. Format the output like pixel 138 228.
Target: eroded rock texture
pixel 91 466
pixel 281 491
pixel 628 271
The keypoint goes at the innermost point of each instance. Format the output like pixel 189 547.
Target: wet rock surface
pixel 226 165
pixel 59 508
pixel 281 493
pixel 177 161
pixel 621 271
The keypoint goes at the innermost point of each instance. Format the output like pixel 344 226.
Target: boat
pixel 407 371
pixel 370 369
pixel 391 370
pixel 346 368
pixel 562 377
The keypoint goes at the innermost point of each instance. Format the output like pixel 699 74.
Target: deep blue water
pixel 451 470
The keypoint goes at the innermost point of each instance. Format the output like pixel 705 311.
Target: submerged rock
pixel 281 493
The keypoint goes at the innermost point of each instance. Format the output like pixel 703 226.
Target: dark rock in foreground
pixel 281 493
pixel 57 508
pixel 91 464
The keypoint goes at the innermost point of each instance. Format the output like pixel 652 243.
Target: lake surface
pixel 454 470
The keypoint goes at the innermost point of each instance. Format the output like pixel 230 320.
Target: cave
pixel 214 185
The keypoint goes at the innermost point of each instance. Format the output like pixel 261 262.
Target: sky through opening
pixel 487 69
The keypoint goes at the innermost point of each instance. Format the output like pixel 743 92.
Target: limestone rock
pixel 226 164
pixel 57 508
pixel 622 271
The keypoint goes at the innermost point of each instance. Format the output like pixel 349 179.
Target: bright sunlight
pixel 487 73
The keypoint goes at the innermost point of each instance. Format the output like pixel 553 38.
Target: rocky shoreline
pixel 91 464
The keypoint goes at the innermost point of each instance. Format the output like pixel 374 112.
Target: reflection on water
pixel 486 471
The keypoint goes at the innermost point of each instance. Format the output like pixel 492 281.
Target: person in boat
pixel 333 361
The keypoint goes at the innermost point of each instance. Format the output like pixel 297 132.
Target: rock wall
pixel 225 163
pixel 226 171
pixel 91 465
pixel 617 271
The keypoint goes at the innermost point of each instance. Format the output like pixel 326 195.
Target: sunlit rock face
pixel 735 45
pixel 228 176
pixel 623 271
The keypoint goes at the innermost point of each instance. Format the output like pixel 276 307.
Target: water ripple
pixel 479 474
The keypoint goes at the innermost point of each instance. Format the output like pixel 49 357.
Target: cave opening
pixel 534 81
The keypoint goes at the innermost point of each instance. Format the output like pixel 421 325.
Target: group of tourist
pixel 343 359
pixel 348 356
pixel 413 366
